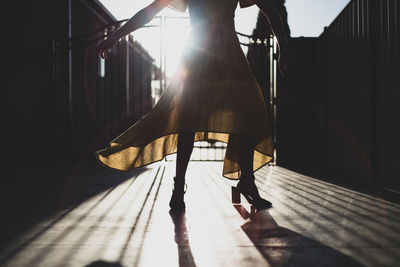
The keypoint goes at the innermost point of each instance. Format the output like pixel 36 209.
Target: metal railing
pixel 97 99
pixel 360 81
pixel 262 54
pixel 263 59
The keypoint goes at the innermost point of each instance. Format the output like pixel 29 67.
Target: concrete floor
pixel 311 223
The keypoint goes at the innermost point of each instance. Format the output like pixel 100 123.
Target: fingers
pixel 101 51
pixel 103 54
pixel 103 46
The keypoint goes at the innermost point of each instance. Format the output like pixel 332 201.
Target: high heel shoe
pixel 249 190
pixel 176 203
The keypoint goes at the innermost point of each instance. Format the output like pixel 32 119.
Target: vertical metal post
pixel 272 88
pixel 127 94
pixel 70 105
pixel 165 52
pixel 275 70
pixel 161 54
pixel 271 72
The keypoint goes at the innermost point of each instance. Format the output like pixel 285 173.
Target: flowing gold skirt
pixel 213 94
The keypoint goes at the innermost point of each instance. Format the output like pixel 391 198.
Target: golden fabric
pixel 213 93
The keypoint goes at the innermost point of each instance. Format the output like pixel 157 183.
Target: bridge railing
pixel 360 89
pixel 97 98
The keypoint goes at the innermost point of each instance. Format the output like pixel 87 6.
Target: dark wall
pixel 385 43
pixel 297 109
pixel 27 87
pixel 27 115
pixel 338 109
pixel 361 92
pixel 347 88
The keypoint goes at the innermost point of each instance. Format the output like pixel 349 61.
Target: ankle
pixel 247 177
pixel 179 184
pixel 179 181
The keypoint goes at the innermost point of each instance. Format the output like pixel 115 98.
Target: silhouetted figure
pixel 263 27
pixel 212 96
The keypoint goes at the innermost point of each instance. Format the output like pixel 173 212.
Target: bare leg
pixel 185 148
pixel 246 155
pixel 247 184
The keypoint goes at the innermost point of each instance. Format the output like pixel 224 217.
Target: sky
pixel 309 17
pixel 305 17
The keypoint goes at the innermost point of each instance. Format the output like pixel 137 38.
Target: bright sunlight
pixel 165 36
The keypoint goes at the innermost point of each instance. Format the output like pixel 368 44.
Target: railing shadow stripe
pixel 372 243
pixel 139 252
pixel 342 215
pixel 133 228
pixel 341 200
pixel 336 188
pixel 74 225
pixel 58 219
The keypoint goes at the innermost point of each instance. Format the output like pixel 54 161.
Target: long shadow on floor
pixel 283 247
pixel 29 196
pixel 101 263
pixel 182 239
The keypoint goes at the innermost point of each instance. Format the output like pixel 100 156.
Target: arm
pixel 278 28
pixel 137 21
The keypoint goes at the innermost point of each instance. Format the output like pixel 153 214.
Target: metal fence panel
pixel 361 84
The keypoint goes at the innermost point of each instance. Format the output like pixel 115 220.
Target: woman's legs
pixel 185 148
pixel 246 155
pixel 247 184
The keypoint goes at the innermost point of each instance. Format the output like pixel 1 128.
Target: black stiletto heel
pixel 176 203
pixel 248 189
pixel 235 195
